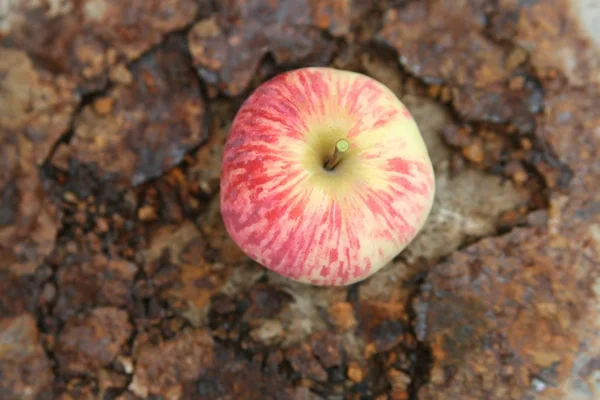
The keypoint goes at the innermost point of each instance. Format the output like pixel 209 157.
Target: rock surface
pixel 229 46
pixel 517 316
pixel 90 342
pixel 149 123
pixel 25 369
pixel 36 111
pixel 118 279
pixel 91 40
pixel 164 368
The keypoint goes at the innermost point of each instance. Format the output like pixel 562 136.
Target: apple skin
pixel 291 215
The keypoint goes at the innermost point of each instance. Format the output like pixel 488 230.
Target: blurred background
pixel 119 281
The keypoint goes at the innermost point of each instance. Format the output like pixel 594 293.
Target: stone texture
pixel 229 46
pixel 561 36
pixel 92 341
pixel 444 41
pixel 92 38
pixel 190 281
pixel 163 368
pixel 87 280
pixel 24 367
pixel 151 124
pixel 518 314
pixel 35 110
pixel 140 293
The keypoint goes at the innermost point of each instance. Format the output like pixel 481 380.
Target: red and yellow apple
pixel 325 176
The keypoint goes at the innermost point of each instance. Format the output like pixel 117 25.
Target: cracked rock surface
pixel 118 279
pixel 91 40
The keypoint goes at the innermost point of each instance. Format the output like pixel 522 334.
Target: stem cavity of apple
pixel 341 146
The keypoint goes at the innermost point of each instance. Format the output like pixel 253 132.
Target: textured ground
pixel 118 281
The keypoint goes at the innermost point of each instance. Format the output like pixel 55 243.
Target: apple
pixel 325 176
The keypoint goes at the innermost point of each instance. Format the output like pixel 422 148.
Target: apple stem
pixel 341 146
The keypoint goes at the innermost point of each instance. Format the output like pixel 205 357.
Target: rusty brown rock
pixel 35 110
pixel 304 362
pixel 305 309
pixel 559 37
pixel 514 169
pixel 175 242
pixel 269 332
pixel 89 38
pixel 516 316
pixel 508 297
pixel 104 105
pixel 355 372
pixel 78 389
pixel 383 323
pixel 205 169
pixel 389 74
pixel 147 213
pixel 443 42
pixel 19 291
pixel 29 218
pixel 474 151
pixel 228 47
pixel 25 370
pixel 191 289
pixel 327 348
pixel 35 106
pixel 192 273
pixel 266 301
pixel 457 136
pixel 235 377
pixel 86 280
pixel 569 125
pixel 109 380
pixel 399 381
pixel 257 307
pixel 151 125
pixel 555 34
pixel 127 396
pixel 163 368
pixel 339 16
pixel 92 341
pixel 195 280
pixel 341 315
pixel 507 312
